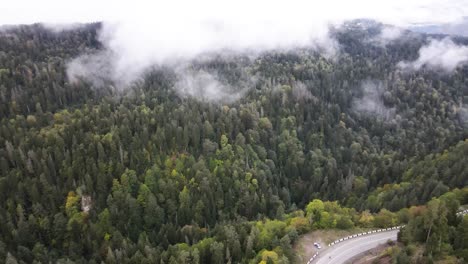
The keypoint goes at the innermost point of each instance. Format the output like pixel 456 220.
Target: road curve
pixel 343 251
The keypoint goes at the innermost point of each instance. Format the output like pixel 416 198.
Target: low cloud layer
pixel 138 36
pixel 439 54
pixel 131 47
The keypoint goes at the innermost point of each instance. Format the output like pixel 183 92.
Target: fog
pixel 137 35
pixel 388 34
pixel 439 54
pixel 463 115
pixel 208 86
pixel 371 102
pixel 131 47
pixel 94 67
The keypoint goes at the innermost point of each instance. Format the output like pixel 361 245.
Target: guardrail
pixel 312 258
pixel 365 233
pixel 463 212
pixel 354 236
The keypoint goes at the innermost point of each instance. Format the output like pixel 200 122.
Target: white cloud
pixel 440 54
pixel 158 37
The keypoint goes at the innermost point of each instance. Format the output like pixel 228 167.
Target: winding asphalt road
pixel 343 251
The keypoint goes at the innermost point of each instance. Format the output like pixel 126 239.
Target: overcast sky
pixel 291 11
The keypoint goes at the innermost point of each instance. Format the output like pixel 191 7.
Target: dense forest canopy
pixel 212 160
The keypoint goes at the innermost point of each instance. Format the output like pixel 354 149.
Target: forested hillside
pixel 152 174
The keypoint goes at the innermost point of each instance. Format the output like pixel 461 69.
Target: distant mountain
pixel 369 29
pixel 369 25
pixel 458 28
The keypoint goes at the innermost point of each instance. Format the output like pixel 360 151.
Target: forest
pixel 299 141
